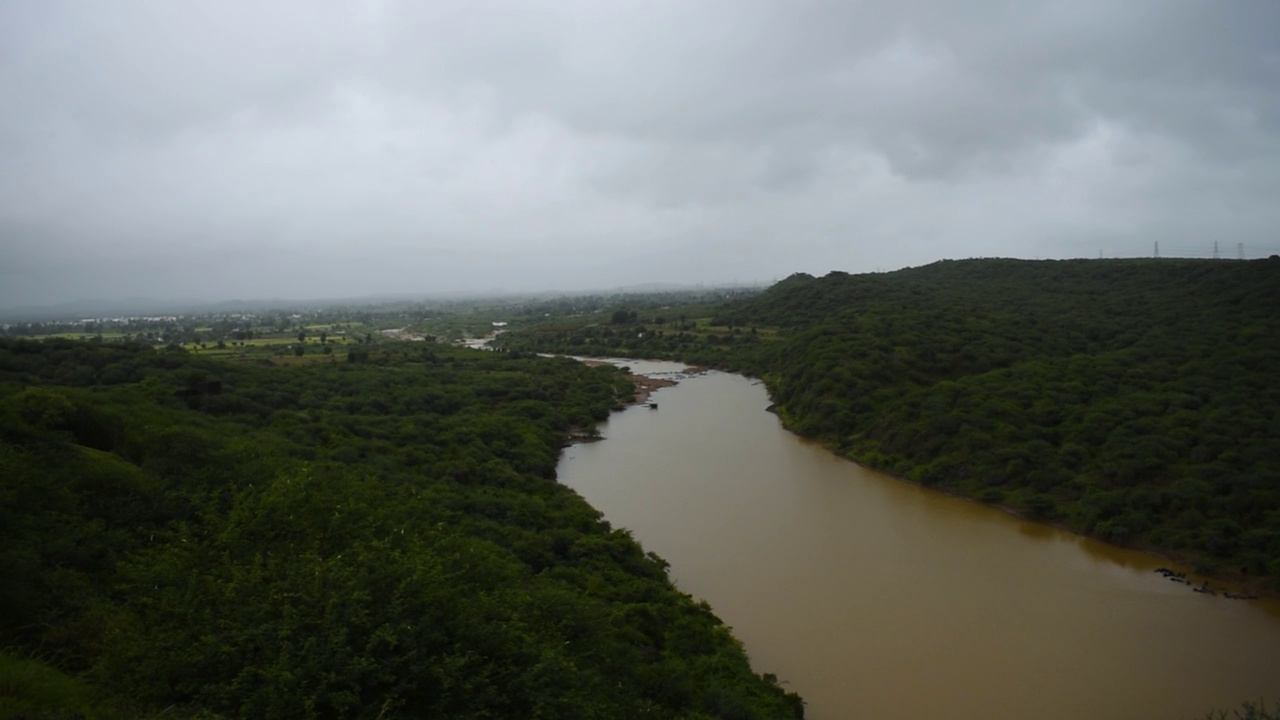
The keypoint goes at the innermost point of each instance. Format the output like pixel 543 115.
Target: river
pixel 875 598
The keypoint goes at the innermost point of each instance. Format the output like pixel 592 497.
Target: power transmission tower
pixel 1215 249
pixel 1239 251
pixel 1157 248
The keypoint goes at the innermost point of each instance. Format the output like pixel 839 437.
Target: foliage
pixel 376 538
pixel 29 688
pixel 1135 400
pixel 1247 711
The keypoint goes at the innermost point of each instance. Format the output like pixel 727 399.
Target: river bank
pixel 1233 586
pixel 1226 584
pixel 645 385
pixel 857 588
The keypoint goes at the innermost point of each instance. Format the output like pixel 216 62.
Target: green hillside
pixel 377 538
pixel 1135 400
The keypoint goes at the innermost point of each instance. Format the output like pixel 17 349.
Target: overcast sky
pixel 315 148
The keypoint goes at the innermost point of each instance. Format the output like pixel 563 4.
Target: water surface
pixel 876 598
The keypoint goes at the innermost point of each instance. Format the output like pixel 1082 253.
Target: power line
pixel 1205 250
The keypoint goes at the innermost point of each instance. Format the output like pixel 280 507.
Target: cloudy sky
pixel 321 148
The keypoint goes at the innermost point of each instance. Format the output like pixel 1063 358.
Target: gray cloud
pixel 321 148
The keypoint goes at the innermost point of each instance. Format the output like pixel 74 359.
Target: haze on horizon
pixel 339 149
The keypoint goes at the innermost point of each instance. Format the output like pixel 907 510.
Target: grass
pixel 30 688
pixel 81 335
pixel 1248 711
pixel 234 347
pixel 702 327
pixel 34 690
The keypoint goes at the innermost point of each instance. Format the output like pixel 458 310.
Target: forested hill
pixel 1098 298
pixel 1137 400
pixel 377 538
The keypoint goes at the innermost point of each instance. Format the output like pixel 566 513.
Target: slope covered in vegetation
pixel 376 538
pixel 1135 400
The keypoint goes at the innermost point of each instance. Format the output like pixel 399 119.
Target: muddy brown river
pixel 876 598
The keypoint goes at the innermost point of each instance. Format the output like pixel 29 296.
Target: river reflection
pixel 877 598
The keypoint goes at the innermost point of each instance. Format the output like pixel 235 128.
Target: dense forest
pixel 1134 400
pixel 373 536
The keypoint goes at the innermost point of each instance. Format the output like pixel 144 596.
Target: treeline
pixel 1134 400
pixel 372 539
pixel 696 333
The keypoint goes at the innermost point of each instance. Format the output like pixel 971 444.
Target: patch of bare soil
pixel 645 386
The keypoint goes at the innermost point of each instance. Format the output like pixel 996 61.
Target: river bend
pixel 876 598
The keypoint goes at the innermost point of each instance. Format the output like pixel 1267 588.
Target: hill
pixel 1134 400
pixel 382 537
